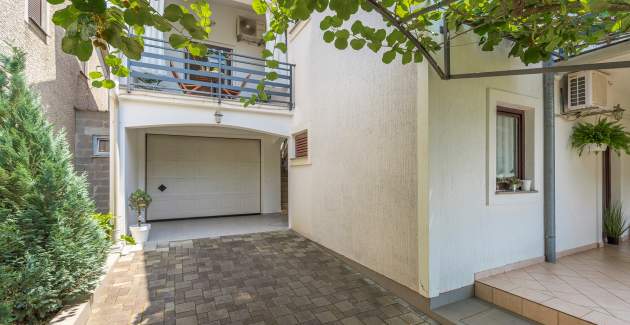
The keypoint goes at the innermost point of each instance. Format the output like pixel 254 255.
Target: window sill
pixel 38 30
pixel 300 161
pixel 514 192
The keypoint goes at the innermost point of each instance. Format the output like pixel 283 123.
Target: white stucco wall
pixel 139 114
pixel 471 228
pixel 579 179
pixel 358 195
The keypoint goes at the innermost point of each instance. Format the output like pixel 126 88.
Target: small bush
pixel 51 249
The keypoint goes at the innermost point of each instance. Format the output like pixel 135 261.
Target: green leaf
pixel 272 76
pixel 329 36
pixel 357 44
pixel 326 23
pixel 341 43
pixel 173 12
pixel 357 27
pixel 94 6
pixel 407 57
pixel 389 56
pixel 259 6
pixel 65 17
pixel 108 84
pixel 112 60
pixel 95 75
pixel 375 47
pixel 56 2
pixel 84 50
pixel 177 41
pixel 97 83
pixel 197 49
pixel 272 64
pixel 282 47
pixel 266 53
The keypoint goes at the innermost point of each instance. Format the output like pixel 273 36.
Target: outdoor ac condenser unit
pixel 249 30
pixel 586 89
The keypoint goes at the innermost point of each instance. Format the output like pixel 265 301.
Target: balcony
pixel 220 75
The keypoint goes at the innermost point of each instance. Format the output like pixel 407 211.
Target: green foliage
pixel 106 222
pixel 138 201
pixel 127 239
pixel 611 134
pixel 51 249
pixel 536 28
pixel 614 222
pixel 116 26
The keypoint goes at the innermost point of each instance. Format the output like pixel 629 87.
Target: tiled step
pixel 525 307
pixel 474 311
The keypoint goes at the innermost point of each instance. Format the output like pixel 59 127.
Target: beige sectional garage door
pixel 202 177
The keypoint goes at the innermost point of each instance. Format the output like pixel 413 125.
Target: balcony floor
pixel 588 287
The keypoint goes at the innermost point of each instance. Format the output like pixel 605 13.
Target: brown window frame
pixel 300 145
pixel 519 115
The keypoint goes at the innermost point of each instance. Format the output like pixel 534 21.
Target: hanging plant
pixel 599 136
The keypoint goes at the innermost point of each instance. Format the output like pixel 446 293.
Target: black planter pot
pixel 613 240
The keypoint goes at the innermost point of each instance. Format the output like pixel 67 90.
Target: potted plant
pixel 614 223
pixel 138 201
pixel 514 183
pixel 600 136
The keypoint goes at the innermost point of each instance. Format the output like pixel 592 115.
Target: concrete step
pixel 474 311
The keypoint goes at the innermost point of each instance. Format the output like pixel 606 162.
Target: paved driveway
pixel 266 278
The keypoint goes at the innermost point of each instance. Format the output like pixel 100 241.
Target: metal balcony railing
pixel 220 75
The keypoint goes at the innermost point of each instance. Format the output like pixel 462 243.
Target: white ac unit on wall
pixel 586 89
pixel 249 30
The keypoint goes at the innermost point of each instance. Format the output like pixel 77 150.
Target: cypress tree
pixel 51 249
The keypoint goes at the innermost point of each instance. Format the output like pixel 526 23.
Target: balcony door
pixel 216 55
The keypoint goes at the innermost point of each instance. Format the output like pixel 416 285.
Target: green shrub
pixel 51 249
pixel 614 223
pixel 106 222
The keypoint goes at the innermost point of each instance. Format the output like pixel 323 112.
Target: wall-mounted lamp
pixel 217 117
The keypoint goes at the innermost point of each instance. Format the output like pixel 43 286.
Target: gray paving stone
pixel 276 278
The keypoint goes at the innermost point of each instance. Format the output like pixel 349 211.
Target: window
pixel 36 12
pixel 510 143
pixel 301 144
pixel 100 145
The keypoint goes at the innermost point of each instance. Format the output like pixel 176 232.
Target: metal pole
pixel 447 49
pixel 291 100
pixel 220 57
pixel 549 164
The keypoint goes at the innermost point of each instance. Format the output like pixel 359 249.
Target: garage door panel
pixel 203 176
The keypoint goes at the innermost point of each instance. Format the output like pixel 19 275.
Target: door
pixel 192 177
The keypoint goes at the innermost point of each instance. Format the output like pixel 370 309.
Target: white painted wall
pixel 471 228
pixel 358 194
pixel 140 113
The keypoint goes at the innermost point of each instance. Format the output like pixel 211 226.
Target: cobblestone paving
pixel 267 278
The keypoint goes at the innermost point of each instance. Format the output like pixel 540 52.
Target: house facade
pixel 389 166
pixel 69 102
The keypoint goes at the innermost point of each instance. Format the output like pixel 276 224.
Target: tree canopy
pixel 537 28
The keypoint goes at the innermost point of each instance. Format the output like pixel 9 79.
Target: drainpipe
pixel 549 166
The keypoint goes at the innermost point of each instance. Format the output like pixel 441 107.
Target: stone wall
pixel 89 124
pixel 54 75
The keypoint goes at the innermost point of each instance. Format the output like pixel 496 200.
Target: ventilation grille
pixel 301 144
pixel 577 91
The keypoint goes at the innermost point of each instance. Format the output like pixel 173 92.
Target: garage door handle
pixel 162 188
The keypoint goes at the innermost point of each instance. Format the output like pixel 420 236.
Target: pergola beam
pixel 544 69
pixel 399 25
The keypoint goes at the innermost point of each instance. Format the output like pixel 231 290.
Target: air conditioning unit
pixel 249 30
pixel 586 89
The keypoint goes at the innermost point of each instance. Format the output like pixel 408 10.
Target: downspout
pixel 549 164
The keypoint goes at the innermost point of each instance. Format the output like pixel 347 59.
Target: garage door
pixel 200 177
